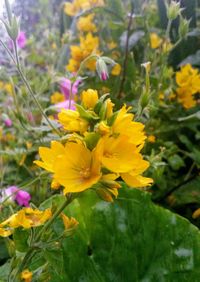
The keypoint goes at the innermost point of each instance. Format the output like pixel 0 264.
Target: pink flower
pixel 15 194
pixel 21 41
pixel 65 105
pixel 65 86
pixel 8 122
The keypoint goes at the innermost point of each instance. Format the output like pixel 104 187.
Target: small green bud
pixel 173 10
pixel 183 27
pixel 144 100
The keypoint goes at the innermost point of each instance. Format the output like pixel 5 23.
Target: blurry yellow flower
pixel 103 128
pixel 155 40
pixel 88 44
pixel 188 81
pixel 85 24
pixel 57 97
pixel 4 232
pixel 54 46
pixel 185 97
pixel 55 185
pixel 49 155
pixel 78 169
pixel 109 108
pixel 112 45
pixel 27 218
pixel 89 98
pixel 116 70
pixel 77 6
pixel 69 223
pixel 196 214
pixel 151 138
pixel 166 46
pixel 8 88
pixel 26 275
pixel 72 121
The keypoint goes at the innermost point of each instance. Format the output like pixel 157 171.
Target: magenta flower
pixel 65 86
pixel 21 41
pixel 65 105
pixel 8 122
pixel 15 194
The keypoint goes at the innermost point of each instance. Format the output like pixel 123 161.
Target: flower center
pixel 85 172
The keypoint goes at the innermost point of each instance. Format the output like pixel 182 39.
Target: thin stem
pixel 167 35
pixel 126 54
pixel 17 64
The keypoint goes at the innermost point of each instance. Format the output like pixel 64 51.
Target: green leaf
pixel 55 260
pixel 176 162
pixel 20 237
pixel 4 272
pixel 188 193
pixel 131 239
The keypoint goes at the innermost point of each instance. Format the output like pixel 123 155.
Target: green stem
pixel 167 35
pixel 17 64
pixel 31 252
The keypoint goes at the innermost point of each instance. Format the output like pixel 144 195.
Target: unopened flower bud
pixel 173 10
pixel 102 69
pixel 183 27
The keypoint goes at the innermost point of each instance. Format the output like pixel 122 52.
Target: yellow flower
pixel 109 108
pixel 196 213
pixel 49 155
pixel 151 138
pixel 78 169
pixel 72 121
pixel 8 88
pixel 103 128
pixel 125 125
pixel 116 70
pixel 26 275
pixel 26 218
pixel 89 98
pixel 185 97
pixel 77 6
pixel 133 178
pixel 155 40
pixel 85 24
pixel 112 45
pixel 117 154
pixel 57 97
pixel 88 44
pixel 4 232
pixel 69 223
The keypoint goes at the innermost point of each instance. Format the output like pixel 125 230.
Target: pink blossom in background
pixel 15 194
pixel 65 105
pixel 21 41
pixel 65 86
pixel 8 122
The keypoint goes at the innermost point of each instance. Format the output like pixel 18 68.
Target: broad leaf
pixel 131 239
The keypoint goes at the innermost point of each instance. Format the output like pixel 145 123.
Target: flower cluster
pixel 188 81
pixel 26 218
pixel 101 146
pixel 78 6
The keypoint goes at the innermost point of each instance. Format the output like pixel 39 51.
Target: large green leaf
pixel 131 239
